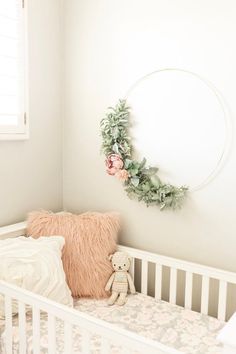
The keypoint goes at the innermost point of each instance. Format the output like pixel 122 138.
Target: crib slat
pixel 144 277
pixel 8 324
pixel 188 290
pixel 222 300
pixel 68 338
pixel 86 342
pixel 158 281
pixel 105 346
pixel 22 327
pixel 205 295
pixel 173 285
pixel 51 334
pixel 132 267
pixel 36 330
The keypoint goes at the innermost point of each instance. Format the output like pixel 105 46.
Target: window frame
pixel 21 131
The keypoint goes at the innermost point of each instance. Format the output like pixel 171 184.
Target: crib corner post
pixel 227 336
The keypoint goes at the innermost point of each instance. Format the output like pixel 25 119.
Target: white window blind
pixel 12 67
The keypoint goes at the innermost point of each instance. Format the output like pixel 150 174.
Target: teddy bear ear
pixel 110 257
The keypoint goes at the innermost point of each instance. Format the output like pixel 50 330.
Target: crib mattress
pixel 179 328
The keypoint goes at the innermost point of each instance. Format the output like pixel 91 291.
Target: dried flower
pixel 122 175
pixel 114 163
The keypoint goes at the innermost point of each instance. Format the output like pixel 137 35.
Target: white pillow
pixel 35 265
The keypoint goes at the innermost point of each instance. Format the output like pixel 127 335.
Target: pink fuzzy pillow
pixel 90 239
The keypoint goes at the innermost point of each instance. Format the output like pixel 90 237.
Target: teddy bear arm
pixel 131 284
pixel 109 283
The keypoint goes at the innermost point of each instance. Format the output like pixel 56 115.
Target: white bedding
pixel 34 265
pixel 185 330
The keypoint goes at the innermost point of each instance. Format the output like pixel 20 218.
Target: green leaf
pixel 115 132
pixel 152 171
pixel 155 197
pixel 162 206
pixel 146 187
pixel 115 148
pixel 136 165
pixel 155 181
pixel 133 171
pixel 168 201
pixel 128 162
pixel 135 181
pixel 143 163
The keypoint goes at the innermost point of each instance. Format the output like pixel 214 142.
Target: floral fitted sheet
pixel 176 327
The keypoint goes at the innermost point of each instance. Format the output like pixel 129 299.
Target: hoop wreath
pixel 140 181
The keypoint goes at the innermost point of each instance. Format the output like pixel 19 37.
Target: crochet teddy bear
pixel 120 280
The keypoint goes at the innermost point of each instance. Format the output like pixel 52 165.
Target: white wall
pixel 31 171
pixel 110 44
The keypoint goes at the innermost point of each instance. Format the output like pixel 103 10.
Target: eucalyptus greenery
pixel 143 182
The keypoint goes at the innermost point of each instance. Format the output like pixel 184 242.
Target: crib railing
pixel 110 334
pixel 224 278
pixel 190 269
pixel 87 325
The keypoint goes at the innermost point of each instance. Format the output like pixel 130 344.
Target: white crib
pixel 127 341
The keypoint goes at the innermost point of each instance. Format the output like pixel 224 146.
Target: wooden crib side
pixel 190 269
pixel 224 278
pixel 13 230
pixel 128 342
pixel 227 335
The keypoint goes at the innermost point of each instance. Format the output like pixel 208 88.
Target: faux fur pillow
pixel 90 239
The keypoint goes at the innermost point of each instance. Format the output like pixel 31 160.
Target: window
pixel 13 123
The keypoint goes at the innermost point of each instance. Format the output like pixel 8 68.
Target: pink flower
pixel 114 163
pixel 122 175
